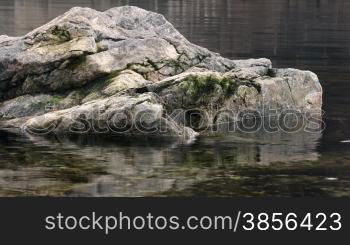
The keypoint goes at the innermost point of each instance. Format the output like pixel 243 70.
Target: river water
pixel 306 34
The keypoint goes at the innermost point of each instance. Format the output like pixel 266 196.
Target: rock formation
pixel 129 71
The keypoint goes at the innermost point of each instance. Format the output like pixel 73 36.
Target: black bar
pixel 23 220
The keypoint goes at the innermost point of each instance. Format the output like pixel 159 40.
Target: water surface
pixel 310 35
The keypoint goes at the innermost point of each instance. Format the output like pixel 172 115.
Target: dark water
pixel 310 34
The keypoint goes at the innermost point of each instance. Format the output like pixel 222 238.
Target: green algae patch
pixel 203 85
pixel 55 100
pixel 61 34
pixel 199 89
pixel 52 101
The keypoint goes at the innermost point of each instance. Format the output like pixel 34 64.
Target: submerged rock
pixel 85 67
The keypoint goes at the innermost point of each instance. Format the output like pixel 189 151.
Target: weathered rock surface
pixel 85 67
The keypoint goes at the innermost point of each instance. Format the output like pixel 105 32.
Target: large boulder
pixel 129 60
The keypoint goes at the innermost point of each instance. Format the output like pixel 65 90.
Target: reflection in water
pixel 311 35
pixel 114 166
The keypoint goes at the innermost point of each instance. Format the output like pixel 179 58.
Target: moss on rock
pixel 199 86
pixel 61 34
pixel 55 99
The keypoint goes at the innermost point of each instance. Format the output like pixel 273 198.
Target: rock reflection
pixel 265 142
pixel 114 166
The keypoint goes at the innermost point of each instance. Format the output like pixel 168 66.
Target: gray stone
pixel 122 115
pixel 129 60
pixel 26 105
